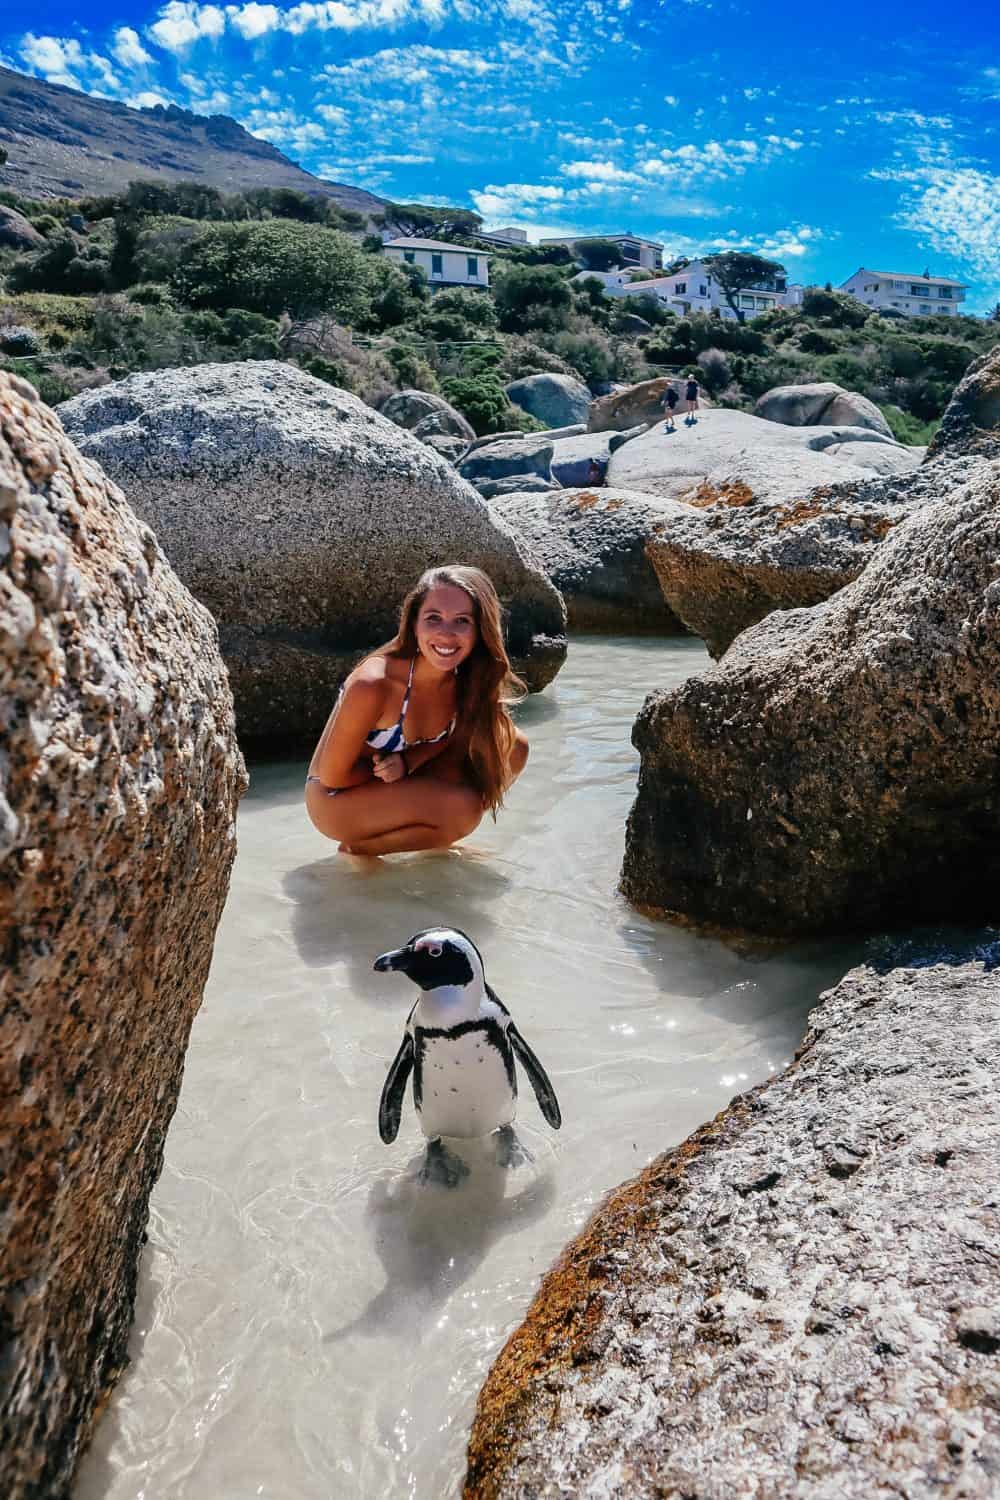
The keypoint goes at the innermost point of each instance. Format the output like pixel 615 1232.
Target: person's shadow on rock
pixel 345 910
pixel 431 1239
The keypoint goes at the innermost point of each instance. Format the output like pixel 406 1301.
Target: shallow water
pixel 311 1323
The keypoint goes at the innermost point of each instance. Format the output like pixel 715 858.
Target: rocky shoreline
pixel 801 1299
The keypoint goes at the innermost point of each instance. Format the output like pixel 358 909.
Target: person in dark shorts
pixel 691 397
pixel 669 401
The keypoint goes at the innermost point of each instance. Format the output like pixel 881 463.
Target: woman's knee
pixel 518 755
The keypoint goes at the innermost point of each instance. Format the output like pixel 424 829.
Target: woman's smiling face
pixel 446 627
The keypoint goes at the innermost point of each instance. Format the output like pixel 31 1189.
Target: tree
pixel 598 255
pixel 276 266
pixel 995 314
pixel 431 221
pixel 735 270
pixel 532 297
pixel 3 156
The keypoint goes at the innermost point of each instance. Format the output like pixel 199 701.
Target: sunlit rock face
pixel 119 779
pixel 300 517
pixel 801 1299
pixel 838 769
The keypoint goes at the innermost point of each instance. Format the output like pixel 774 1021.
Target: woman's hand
pixel 390 767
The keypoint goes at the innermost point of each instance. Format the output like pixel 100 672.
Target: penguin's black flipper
pixel 537 1076
pixel 390 1106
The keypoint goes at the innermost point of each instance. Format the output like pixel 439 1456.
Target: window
pixel 472 265
pixel 944 291
pixel 703 290
pixel 925 309
pixel 680 287
pixel 920 291
pixel 409 257
pixel 899 286
pixel 436 267
pixel 763 302
pixel 746 301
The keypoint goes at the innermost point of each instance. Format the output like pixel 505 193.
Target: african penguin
pixel 460 1044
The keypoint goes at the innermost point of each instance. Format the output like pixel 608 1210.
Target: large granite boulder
pixel 556 400
pixel 838 769
pixel 524 454
pixel 592 544
pixel 725 564
pixel 119 780
pixel 726 449
pixel 971 422
pixel 424 413
pixel 17 232
pixel 801 1300
pixel 515 484
pixel 821 404
pixel 573 456
pixel 631 407
pixel 300 517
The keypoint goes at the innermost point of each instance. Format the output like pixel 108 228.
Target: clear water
pixel 311 1323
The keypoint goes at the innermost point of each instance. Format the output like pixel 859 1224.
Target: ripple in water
pixel 310 1322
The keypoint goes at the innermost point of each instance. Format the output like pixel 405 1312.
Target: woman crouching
pixel 420 743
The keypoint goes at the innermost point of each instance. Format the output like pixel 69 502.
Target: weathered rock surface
pixel 725 565
pixel 119 779
pixel 799 1301
pixel 451 448
pixel 839 768
pixel 531 454
pixel 592 544
pixel 424 414
pixel 971 422
pixel 821 404
pixel 17 232
pixel 300 517
pixel 630 407
pixel 618 440
pixel 556 400
pixel 572 457
pixel 731 448
pixel 516 484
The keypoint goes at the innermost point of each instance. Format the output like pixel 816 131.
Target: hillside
pixel 62 143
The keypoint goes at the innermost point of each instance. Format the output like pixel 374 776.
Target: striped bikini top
pixel 393 739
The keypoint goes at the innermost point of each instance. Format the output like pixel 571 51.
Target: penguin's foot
pixel 442 1166
pixel 509 1150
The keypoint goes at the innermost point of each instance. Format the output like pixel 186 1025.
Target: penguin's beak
pixel 395 959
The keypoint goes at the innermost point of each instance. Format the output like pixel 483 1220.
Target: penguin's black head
pixel 440 956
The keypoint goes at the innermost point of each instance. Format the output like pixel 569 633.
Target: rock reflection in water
pixel 318 1326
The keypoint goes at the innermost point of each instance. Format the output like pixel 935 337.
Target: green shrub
pixel 529 297
pixel 276 266
pixel 412 372
pixel 909 429
pixel 482 400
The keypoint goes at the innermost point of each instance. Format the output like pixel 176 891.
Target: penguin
pixel 460 1044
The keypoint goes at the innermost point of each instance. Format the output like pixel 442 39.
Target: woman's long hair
pixel 486 682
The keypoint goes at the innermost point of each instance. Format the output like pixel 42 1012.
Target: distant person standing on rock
pixel 691 397
pixel 669 401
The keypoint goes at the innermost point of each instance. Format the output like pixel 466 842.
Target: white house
pixel 912 296
pixel 442 264
pixel 635 251
pixel 694 289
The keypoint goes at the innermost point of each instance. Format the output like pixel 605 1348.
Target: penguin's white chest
pixel 465 1088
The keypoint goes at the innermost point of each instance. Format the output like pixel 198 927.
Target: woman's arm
pixel 393 767
pixel 341 758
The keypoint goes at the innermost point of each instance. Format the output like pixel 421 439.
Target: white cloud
pixel 128 49
pixel 146 100
pixel 253 20
pixel 957 211
pixel 599 171
pixel 62 60
pixel 184 22
pixel 333 115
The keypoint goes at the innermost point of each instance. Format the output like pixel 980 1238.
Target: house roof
pixel 408 242
pixel 906 276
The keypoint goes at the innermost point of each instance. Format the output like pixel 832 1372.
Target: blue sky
pixel 865 135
